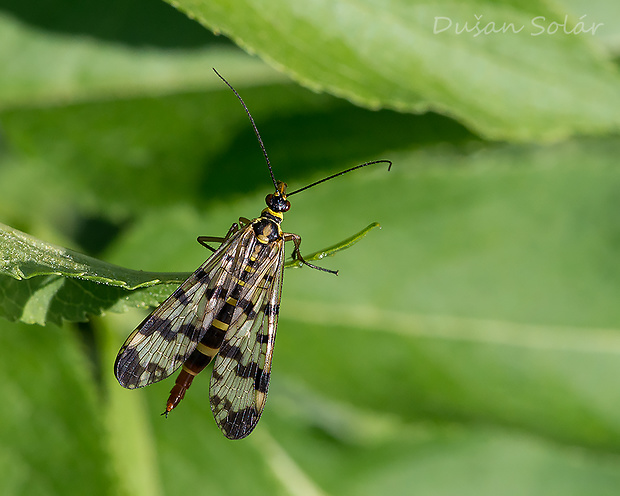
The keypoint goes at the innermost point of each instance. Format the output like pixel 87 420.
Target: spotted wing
pixel 163 341
pixel 240 377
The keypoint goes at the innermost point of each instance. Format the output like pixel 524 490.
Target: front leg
pixel 296 239
pixel 203 240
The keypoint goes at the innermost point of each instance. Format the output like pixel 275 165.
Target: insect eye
pixel 277 203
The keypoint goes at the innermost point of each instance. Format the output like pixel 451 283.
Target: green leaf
pixel 476 336
pixel 24 256
pixel 65 70
pixel 503 84
pixel 52 434
pixel 40 296
pixel 41 282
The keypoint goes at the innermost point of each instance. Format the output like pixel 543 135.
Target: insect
pixel 227 310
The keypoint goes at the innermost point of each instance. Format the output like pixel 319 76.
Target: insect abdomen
pixel 205 351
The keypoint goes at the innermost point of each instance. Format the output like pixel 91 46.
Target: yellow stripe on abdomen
pixel 219 324
pixel 207 350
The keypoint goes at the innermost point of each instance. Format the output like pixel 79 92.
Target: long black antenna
pixel 260 140
pixel 341 173
pixel 262 147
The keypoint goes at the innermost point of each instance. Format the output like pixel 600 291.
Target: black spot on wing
pixel 261 383
pixel 153 324
pixel 252 370
pixel 248 308
pixel 181 296
pixel 167 329
pixel 155 371
pixel 131 374
pixel 127 368
pixel 215 375
pixel 230 351
pixel 245 371
pixel 215 292
pixel 189 330
pixel 236 424
pixel 272 310
pixel 222 403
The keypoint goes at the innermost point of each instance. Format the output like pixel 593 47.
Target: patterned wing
pixel 162 342
pixel 240 377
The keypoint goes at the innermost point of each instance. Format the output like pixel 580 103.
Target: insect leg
pixel 203 240
pixel 296 239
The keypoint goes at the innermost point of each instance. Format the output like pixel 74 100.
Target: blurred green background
pixel 470 346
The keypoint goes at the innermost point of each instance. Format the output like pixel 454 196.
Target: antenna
pixel 260 140
pixel 341 173
pixel 262 146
